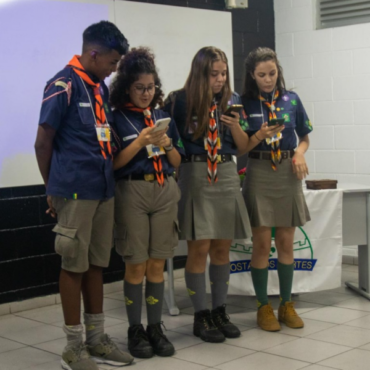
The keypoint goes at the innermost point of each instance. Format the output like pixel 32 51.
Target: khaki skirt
pixel 274 198
pixel 211 211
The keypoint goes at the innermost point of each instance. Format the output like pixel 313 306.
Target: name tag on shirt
pixel 256 115
pixel 103 132
pixel 130 137
pixel 85 105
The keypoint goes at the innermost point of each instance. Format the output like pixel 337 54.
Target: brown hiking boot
pixel 289 316
pixel 266 319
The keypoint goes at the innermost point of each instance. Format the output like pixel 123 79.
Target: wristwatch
pixel 170 147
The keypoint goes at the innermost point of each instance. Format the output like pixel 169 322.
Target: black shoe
pixel 205 328
pixel 138 342
pixel 222 321
pixel 160 344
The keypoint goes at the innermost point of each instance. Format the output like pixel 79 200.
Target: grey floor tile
pixel 307 350
pixel 326 298
pixel 9 345
pixel 259 340
pixel 335 315
pixel 355 303
pixel 211 354
pixel 355 359
pixel 349 336
pixel 258 361
pixel 25 358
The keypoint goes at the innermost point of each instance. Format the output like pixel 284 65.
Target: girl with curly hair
pixel 146 196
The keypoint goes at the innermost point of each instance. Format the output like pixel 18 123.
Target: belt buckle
pixel 220 158
pixel 284 155
pixel 149 177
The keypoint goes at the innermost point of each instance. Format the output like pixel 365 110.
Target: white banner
pixel 317 250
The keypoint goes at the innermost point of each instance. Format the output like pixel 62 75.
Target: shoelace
pixel 81 352
pixel 290 309
pixel 108 341
pixel 159 331
pixel 208 322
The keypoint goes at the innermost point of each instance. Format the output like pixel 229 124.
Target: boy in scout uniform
pixel 74 155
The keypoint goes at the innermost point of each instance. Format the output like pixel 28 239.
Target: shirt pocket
pixel 86 114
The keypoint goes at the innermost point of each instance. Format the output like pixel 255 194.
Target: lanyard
pixel 133 126
pixel 91 106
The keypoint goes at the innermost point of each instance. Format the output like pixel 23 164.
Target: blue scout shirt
pixel 289 106
pixel 78 169
pixel 196 146
pixel 126 134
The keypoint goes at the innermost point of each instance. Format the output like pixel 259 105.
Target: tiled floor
pixel 336 335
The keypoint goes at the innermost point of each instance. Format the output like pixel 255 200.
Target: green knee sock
pixel 259 278
pixel 285 273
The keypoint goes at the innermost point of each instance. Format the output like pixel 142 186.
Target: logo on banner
pixel 302 248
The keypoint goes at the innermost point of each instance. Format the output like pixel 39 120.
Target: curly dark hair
pixel 136 62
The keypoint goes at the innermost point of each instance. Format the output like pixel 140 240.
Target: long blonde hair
pixel 199 94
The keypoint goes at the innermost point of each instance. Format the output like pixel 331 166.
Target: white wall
pixel 330 70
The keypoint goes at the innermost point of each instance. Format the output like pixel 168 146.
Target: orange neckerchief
pixel 99 107
pixel 275 147
pixel 212 139
pixel 157 162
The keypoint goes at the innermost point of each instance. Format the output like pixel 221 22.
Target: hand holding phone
pixel 162 124
pixel 276 121
pixel 233 108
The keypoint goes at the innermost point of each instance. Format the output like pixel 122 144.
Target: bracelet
pixel 257 137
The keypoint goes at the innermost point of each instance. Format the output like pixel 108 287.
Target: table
pixel 356 231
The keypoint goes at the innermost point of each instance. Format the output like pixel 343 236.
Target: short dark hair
pixel 135 63
pixel 256 56
pixel 106 36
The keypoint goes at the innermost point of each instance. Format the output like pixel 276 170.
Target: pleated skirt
pixel 274 198
pixel 211 211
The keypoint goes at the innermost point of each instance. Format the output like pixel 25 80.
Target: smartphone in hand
pixel 162 124
pixel 276 121
pixel 233 108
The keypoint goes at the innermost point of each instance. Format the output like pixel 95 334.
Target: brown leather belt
pixel 285 154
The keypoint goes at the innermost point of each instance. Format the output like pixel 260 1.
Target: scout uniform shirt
pixel 78 169
pixel 176 103
pixel 288 106
pixel 126 134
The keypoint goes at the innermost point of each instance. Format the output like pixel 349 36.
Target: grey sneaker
pixel 107 352
pixel 77 358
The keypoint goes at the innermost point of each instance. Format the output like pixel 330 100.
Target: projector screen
pixel 39 37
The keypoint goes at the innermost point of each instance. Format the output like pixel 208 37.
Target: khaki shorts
pixel 146 220
pixel 84 232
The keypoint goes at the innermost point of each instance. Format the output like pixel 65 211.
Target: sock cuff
pixel 154 284
pixel 257 269
pixel 73 329
pixel 187 273
pixel 283 265
pixel 126 283
pixel 93 318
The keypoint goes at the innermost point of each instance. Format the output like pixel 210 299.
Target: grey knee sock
pixel 94 324
pixel 74 335
pixel 196 284
pixel 219 277
pixel 133 297
pixel 154 301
